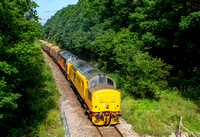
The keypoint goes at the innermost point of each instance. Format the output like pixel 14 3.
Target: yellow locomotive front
pixel 97 91
pixel 105 100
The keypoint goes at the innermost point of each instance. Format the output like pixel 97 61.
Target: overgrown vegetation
pixel 24 87
pixel 161 118
pixel 50 125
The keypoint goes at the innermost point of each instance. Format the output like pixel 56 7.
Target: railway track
pixel 110 131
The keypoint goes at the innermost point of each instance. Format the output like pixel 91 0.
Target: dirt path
pixel 79 124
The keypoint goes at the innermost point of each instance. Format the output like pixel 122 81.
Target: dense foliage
pixel 118 33
pixel 22 96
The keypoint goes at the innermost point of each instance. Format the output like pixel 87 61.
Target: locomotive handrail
pixel 64 121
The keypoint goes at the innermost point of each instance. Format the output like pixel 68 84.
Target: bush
pixel 190 92
pixel 188 88
pixel 144 75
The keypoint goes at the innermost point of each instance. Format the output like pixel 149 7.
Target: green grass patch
pixel 51 126
pixel 161 118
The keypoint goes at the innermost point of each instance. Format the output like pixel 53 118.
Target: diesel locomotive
pixel 96 90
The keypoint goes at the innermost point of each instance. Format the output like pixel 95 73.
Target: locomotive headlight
pixel 102 99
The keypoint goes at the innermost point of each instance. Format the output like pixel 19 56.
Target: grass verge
pixel 161 118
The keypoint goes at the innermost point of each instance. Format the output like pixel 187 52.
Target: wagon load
pixel 48 47
pixel 55 52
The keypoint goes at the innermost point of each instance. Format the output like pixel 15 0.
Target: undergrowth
pixel 50 125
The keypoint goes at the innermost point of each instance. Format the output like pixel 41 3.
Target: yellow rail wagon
pixel 55 52
pixel 41 41
pixel 98 92
pixel 44 45
pixel 48 47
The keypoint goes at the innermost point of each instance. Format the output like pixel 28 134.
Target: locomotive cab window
pixel 102 80
pixel 110 82
pixel 93 82
pixel 69 59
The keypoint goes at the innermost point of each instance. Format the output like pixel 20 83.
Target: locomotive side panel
pixel 78 81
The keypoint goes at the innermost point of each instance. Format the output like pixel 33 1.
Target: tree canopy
pixel 113 31
pixel 21 67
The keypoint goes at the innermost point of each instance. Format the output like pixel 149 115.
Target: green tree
pixel 161 26
pixel 21 67
pixel 165 29
pixel 141 74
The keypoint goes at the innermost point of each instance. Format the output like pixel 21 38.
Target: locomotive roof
pixel 86 69
pixel 66 55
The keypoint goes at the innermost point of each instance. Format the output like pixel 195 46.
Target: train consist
pixel 97 91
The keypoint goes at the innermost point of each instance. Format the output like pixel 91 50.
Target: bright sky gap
pixel 48 8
